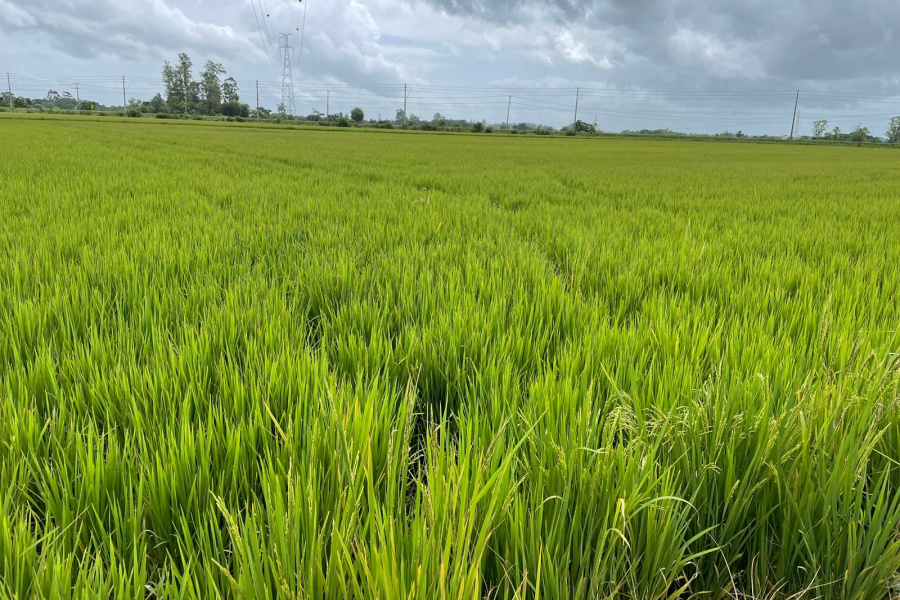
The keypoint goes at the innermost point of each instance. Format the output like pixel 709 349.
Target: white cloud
pixel 707 50
pixel 577 51
pixel 15 16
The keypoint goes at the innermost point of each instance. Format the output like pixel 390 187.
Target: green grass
pixel 251 363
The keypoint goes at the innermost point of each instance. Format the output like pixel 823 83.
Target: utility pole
pixel 124 102
pixel 405 96
pixel 287 78
pixel 257 101
pixel 328 105
pixel 508 104
pixel 575 122
pixel 794 118
pixel 186 94
pixel 77 97
pixel 9 88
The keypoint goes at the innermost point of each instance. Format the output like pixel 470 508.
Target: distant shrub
pixel 133 112
pixel 489 130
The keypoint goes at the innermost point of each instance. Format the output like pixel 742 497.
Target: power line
pixel 265 20
pixel 302 32
pixel 261 38
pixel 631 108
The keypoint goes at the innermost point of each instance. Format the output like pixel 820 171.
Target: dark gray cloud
pixel 794 41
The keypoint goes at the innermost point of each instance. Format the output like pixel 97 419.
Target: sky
pixel 702 66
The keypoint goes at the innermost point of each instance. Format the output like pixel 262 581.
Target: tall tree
pixel 174 86
pixel 181 89
pixel 230 90
pixel 893 132
pixel 184 74
pixel 819 128
pixel 211 87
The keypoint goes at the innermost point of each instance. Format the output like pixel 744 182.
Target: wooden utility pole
pixel 9 88
pixel 257 101
pixel 405 96
pixel 575 122
pixel 124 102
pixel 508 104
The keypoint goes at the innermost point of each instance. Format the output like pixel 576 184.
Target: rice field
pixel 257 363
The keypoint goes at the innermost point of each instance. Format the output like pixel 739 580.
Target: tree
pixel 157 104
pixel 185 81
pixel 893 132
pixel 819 129
pixel 357 115
pixel 194 99
pixel 181 90
pixel 230 90
pixel 478 127
pixel 174 87
pixel 235 109
pixel 860 134
pixel 581 126
pixel 836 133
pixel 211 87
pixel 400 116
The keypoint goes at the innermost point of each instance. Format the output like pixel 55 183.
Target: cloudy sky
pixel 690 65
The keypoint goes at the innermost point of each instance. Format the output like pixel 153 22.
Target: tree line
pixel 54 100
pixel 860 134
pixel 216 94
pixel 210 95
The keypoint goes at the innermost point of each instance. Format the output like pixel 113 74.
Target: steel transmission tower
pixel 287 78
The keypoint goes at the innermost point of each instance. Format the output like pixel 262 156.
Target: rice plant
pixel 242 362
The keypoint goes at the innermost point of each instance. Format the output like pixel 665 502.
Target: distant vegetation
pixel 216 96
